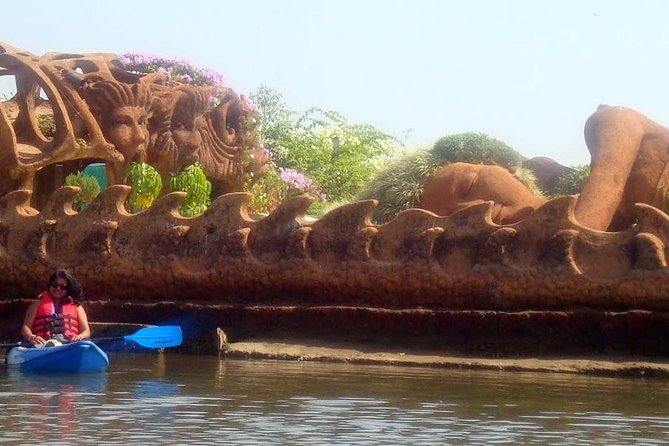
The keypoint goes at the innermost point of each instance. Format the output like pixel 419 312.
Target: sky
pixel 526 72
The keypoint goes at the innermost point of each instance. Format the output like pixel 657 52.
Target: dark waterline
pixel 183 399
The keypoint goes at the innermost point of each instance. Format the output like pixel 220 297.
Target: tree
pixel 320 150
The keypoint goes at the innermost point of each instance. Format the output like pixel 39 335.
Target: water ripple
pixel 172 399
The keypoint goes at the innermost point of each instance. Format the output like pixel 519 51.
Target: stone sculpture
pixel 486 273
pixel 122 111
pixel 630 164
pixel 102 112
pixel 457 186
pixel 547 172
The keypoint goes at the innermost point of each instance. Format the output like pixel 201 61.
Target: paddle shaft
pixel 149 337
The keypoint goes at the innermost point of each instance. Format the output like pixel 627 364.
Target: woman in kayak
pixel 58 312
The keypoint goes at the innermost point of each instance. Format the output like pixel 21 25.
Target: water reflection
pixel 43 399
pixel 202 400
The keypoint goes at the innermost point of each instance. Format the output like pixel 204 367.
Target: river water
pixel 184 399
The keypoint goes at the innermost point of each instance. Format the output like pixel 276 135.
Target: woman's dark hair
pixel 74 291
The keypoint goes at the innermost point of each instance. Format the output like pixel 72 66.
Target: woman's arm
pixel 84 329
pixel 26 329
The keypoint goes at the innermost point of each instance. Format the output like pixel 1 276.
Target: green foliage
pixel 274 118
pixel 475 148
pixel 194 182
pixel 337 156
pixel 527 177
pixel 319 208
pixel 400 185
pixel 47 125
pixel 572 182
pixel 268 192
pixel 146 185
pixel 89 189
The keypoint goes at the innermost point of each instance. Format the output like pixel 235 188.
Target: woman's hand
pixel 36 340
pixel 79 337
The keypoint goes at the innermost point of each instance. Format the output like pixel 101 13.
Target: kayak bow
pixel 73 357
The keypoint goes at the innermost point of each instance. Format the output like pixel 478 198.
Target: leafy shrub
pixel 318 151
pixel 400 185
pixel 194 182
pixel 475 148
pixel 176 69
pixel 268 192
pixel 572 182
pixel 146 184
pixel 527 177
pixel 89 189
pixel 47 125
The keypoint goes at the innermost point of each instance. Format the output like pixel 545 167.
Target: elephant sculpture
pixel 459 185
pixel 629 164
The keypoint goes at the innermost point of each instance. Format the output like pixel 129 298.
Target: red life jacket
pixel 48 323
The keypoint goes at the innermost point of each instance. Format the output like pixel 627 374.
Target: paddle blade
pixel 157 337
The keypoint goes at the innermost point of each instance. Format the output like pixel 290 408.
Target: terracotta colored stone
pixel 630 164
pixel 494 264
pixel 547 171
pixel 103 113
pixel 459 185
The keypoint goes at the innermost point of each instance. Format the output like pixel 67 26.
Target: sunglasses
pixel 59 286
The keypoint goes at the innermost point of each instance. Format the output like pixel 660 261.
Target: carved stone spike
pixel 235 244
pixel 109 204
pixel 560 251
pixel 229 211
pixel 270 235
pixel 97 243
pixel 652 220
pixel 297 243
pixel 16 203
pixel 423 244
pixel 37 245
pixel 495 248
pixel 333 233
pixel 649 252
pixel 60 202
pixel 173 236
pixel 359 247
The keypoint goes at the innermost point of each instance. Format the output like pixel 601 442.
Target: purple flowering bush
pixel 175 69
pixel 299 182
pixel 281 183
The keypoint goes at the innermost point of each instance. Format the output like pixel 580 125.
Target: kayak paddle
pixel 149 337
pixel 13 344
pixel 152 337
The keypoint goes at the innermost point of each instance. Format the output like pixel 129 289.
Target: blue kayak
pixel 73 357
